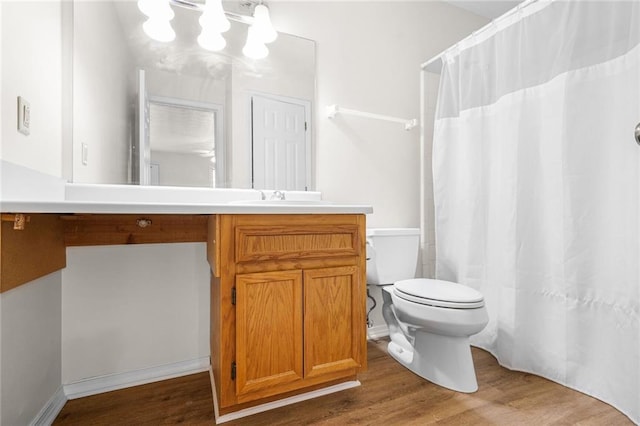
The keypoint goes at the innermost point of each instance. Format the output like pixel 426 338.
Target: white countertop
pixel 23 190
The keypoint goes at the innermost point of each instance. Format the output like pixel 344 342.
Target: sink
pixel 280 203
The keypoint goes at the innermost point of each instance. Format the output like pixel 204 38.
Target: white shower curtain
pixel 537 191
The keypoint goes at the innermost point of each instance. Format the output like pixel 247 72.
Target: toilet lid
pixel 438 293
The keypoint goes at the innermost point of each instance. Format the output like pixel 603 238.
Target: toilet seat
pixel 438 293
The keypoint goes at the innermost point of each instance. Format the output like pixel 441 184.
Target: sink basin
pixel 281 202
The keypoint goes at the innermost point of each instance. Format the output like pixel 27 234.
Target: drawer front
pixel 263 243
pixel 109 229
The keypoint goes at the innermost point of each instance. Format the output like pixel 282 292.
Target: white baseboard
pixel 282 402
pixel 51 409
pixel 377 332
pixel 96 385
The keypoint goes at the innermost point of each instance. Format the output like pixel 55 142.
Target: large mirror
pixel 152 113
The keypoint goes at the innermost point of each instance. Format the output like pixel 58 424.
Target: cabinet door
pixel 268 331
pixel 334 323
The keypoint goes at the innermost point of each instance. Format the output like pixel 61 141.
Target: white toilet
pixel 429 321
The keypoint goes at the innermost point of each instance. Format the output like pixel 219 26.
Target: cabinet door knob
pixel 143 223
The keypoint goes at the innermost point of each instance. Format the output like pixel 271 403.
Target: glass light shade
pixel 159 29
pixel 262 24
pixel 214 18
pixel 254 47
pixel 211 40
pixel 156 9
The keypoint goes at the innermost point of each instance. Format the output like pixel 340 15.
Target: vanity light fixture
pixel 260 33
pixel 214 21
pixel 159 15
pixel 254 48
pixel 262 24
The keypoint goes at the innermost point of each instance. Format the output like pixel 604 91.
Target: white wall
pixel 30 331
pixel 187 87
pixel 369 56
pixel 31 46
pixel 30 315
pixel 104 87
pixel 133 307
pixel 178 169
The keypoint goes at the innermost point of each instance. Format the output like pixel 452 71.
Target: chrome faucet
pixel 277 195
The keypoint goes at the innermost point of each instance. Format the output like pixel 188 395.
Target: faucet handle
pixel 277 195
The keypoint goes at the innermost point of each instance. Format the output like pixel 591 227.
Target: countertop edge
pixel 90 207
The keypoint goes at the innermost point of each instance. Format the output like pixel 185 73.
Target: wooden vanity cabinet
pixel 287 305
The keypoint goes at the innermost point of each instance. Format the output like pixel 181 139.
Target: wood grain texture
pixel 296 237
pixel 215 331
pixel 30 253
pixel 213 248
pixel 332 320
pixel 390 394
pixel 225 341
pixel 361 297
pixel 108 229
pixel 268 332
pixel 260 243
pixel 289 264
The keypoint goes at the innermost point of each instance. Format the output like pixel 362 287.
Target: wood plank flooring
pixel 389 395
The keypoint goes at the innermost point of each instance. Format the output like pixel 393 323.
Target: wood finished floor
pixel 389 395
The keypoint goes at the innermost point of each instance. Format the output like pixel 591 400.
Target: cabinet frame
pixel 343 233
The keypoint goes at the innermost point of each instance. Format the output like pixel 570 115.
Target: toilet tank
pixel 392 254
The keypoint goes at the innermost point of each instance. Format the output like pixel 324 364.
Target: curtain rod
pixel 486 31
pixel 332 110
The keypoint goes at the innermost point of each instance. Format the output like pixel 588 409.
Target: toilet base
pixel 443 360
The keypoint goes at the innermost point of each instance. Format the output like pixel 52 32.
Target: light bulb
pixel 214 18
pixel 211 40
pixel 156 9
pixel 262 24
pixel 159 29
pixel 254 47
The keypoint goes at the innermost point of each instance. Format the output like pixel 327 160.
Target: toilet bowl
pixel 429 321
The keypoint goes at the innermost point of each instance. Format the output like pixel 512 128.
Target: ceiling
pixel 488 9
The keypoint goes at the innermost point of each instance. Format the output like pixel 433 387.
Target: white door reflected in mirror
pixel 281 143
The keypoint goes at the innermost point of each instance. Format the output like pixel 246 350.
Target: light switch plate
pixel 24 116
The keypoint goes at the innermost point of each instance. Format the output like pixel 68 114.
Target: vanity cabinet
pixel 287 305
